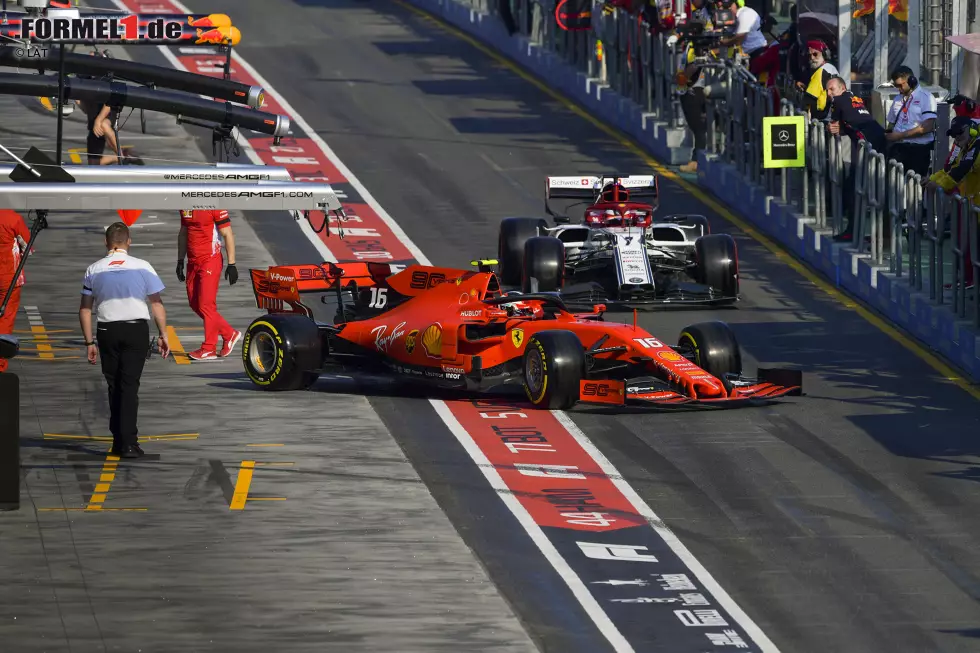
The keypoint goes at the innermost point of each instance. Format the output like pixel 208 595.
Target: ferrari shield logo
pixel 410 340
pixel 517 336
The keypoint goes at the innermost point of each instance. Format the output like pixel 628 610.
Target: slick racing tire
pixel 514 232
pixel 544 265
pixel 717 265
pixel 714 346
pixel 282 352
pixel 554 363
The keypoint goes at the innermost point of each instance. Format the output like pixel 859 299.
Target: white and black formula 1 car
pixel 618 254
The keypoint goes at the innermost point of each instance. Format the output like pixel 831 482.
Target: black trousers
pixel 123 347
pixel 693 105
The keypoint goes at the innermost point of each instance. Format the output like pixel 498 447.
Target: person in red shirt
pixel 201 234
pixel 14 237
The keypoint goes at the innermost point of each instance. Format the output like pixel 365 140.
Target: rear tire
pixel 715 348
pixel 717 263
pixel 554 364
pixel 544 265
pixel 282 352
pixel 514 232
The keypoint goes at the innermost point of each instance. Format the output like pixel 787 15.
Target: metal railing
pixel 916 233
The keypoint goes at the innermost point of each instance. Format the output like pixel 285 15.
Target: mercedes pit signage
pixel 784 142
pixel 128 29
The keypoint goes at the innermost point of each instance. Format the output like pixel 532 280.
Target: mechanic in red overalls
pixel 201 233
pixel 14 237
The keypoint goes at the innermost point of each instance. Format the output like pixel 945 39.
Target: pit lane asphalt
pixel 846 520
pixel 355 556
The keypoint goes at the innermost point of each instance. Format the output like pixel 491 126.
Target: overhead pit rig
pixel 22 36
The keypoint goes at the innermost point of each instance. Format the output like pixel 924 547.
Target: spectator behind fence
pixel 748 32
pixel 692 99
pixel 850 117
pixel 961 174
pixel 821 72
pixel 911 123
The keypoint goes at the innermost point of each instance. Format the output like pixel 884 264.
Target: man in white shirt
pixel 118 286
pixel 911 123
pixel 748 29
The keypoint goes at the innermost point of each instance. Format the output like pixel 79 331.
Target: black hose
pixel 140 73
pixel 117 94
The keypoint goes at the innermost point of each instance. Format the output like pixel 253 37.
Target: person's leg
pixel 108 337
pixel 10 314
pixel 110 141
pixel 693 105
pixel 215 323
pixel 132 357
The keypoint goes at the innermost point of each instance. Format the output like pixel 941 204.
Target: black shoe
pixel 129 451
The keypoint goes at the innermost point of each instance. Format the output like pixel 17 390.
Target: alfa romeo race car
pixel 458 329
pixel 618 254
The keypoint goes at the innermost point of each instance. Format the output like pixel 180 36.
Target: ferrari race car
pixel 458 329
pixel 618 254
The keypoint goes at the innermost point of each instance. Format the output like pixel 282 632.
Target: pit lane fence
pixel 918 234
pixel 923 235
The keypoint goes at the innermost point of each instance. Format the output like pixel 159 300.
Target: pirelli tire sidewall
pixel 715 348
pixel 288 351
pixel 513 234
pixel 554 364
pixel 717 263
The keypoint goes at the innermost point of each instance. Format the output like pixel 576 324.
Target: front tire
pixel 544 265
pixel 514 233
pixel 717 263
pixel 282 352
pixel 554 364
pixel 715 348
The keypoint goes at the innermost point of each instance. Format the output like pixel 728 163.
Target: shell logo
pixel 670 356
pixel 432 340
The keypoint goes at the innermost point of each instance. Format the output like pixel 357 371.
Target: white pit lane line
pixel 575 583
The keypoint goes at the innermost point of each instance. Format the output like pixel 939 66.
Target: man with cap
pixel 821 71
pixel 961 174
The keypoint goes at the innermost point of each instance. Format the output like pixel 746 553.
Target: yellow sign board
pixel 784 142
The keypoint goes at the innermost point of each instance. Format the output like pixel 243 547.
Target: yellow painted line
pixel 47 103
pixel 177 349
pixel 102 489
pixel 242 484
pixel 52 359
pixel 106 438
pixel 44 351
pixel 47 331
pixel 48 348
pixel 75 154
pixel 88 510
pixel 933 361
pixel 265 445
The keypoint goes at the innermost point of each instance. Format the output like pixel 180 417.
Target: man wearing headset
pixel 911 130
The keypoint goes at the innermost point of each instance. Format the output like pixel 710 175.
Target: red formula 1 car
pixel 457 329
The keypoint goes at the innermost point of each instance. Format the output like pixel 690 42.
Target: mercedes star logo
pixel 784 135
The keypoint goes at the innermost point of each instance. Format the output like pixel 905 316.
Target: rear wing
pixel 278 289
pixel 589 188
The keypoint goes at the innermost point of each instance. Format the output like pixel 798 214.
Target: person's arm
pixel 926 127
pixel 97 124
pixel 229 239
pixel 160 319
pixel 181 250
pixel 154 286
pixel 85 318
pixel 950 180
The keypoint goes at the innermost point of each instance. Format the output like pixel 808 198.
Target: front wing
pixel 681 294
pixel 653 393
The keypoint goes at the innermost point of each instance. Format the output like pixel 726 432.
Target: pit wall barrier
pixel 911 246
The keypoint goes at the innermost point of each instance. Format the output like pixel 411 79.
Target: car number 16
pixel 379 297
pixel 649 343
